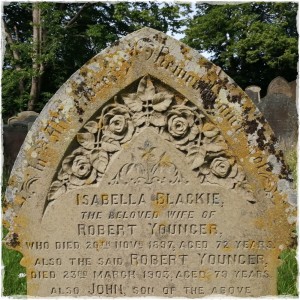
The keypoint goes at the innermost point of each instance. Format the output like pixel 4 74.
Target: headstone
pixel 24 118
pixel 14 134
pixel 279 108
pixel 13 138
pixel 279 86
pixel 281 114
pixel 150 173
pixel 253 91
pixel 293 86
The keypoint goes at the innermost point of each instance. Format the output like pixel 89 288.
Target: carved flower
pixel 181 125
pixel 220 167
pixel 78 167
pixel 223 171
pixel 118 126
pixel 178 126
pixel 212 145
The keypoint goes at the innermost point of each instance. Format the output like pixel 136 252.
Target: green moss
pixel 291 160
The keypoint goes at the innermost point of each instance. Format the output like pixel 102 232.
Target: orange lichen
pixel 160 204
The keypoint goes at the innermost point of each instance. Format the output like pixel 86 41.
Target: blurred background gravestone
pixel 293 86
pixel 14 134
pixel 279 86
pixel 279 108
pixel 253 91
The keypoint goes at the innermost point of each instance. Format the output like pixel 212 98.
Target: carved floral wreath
pixel 183 125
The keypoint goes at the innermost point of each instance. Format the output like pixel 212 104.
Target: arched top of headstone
pixel 24 117
pixel 253 91
pixel 279 86
pixel 202 130
pixel 253 88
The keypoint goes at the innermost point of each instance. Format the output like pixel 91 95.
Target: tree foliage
pixel 46 42
pixel 252 42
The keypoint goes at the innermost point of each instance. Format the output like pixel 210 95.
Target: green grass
pixel 287 273
pixel 13 284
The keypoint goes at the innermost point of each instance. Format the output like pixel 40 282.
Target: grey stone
pixel 253 91
pixel 279 86
pixel 281 113
pixel 13 138
pixel 293 86
pixel 23 117
pixel 14 135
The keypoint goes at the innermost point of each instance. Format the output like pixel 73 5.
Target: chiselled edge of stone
pixel 207 87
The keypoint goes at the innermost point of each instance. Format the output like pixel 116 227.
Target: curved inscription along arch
pixel 187 89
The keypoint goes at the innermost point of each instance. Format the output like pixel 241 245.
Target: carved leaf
pixel 193 150
pixel 158 119
pixel 99 160
pixel 111 146
pixel 240 175
pixel 146 89
pixel 211 133
pixel 56 189
pixel 215 147
pixel 108 135
pixel 199 160
pixel 63 175
pixel 196 156
pixel 133 102
pixel 86 139
pixel 210 130
pixel 161 101
pixel 91 126
pixel 139 118
pixel 130 131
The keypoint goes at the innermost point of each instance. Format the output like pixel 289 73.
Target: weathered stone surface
pixel 14 134
pixel 150 173
pixel 24 118
pixel 253 91
pixel 293 86
pixel 279 86
pixel 278 106
pixel 13 138
pixel 281 113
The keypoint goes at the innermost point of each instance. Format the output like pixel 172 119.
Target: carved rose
pixel 118 125
pixel 185 126
pixel 178 126
pixel 223 171
pixel 79 168
pixel 181 125
pixel 220 167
